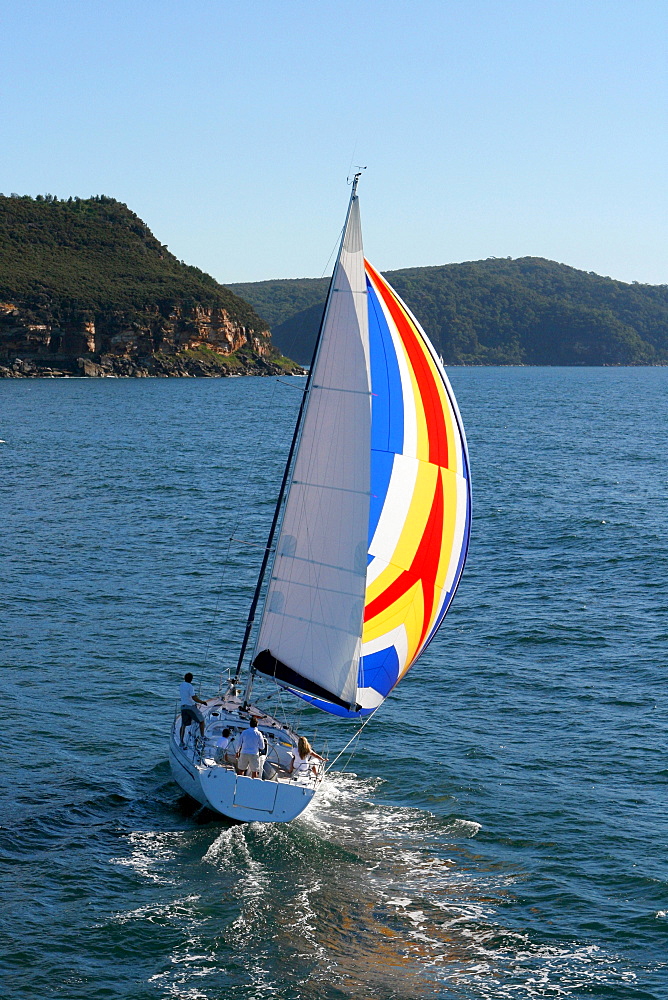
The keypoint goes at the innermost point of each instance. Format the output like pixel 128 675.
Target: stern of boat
pixel 253 800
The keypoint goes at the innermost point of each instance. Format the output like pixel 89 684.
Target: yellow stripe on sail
pixel 407 610
pixel 449 486
pixel 451 428
pixel 439 598
pixel 413 624
pixel 412 399
pixel 422 450
pixel 418 514
pixel 382 582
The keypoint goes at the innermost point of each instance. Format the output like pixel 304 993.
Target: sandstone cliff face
pixel 168 330
pixel 173 340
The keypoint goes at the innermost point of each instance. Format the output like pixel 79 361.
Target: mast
pixel 288 465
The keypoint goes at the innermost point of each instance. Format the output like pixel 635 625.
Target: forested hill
pixel 496 311
pixel 84 283
pixel 95 254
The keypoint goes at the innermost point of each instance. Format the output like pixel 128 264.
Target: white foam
pixel 464 827
pixel 177 909
pixel 149 851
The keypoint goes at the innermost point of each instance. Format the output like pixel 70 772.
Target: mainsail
pixel 377 518
pixel 310 633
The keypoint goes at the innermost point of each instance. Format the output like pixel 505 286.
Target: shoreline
pixel 191 365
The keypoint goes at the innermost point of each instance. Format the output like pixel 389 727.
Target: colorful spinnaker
pixel 377 517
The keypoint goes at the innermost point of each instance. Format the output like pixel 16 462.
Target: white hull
pixel 236 796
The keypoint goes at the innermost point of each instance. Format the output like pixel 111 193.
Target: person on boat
pixel 251 746
pixel 221 743
pixel 301 760
pixel 189 710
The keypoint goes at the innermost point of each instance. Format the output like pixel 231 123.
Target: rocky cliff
pixel 85 288
pixel 178 340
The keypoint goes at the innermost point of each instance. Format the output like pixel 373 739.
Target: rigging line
pixel 242 541
pixel 290 384
pixel 333 251
pixel 358 733
pixel 215 612
pixel 250 467
pixel 350 757
pixel 292 342
pixel 283 708
pixel 293 717
pixel 270 539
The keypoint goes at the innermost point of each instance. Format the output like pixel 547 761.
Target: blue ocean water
pixel 501 830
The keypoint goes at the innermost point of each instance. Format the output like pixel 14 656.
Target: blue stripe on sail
pixel 380 398
pixel 381 472
pixel 380 670
pixel 387 413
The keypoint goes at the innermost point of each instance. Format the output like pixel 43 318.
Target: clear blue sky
pixel 489 127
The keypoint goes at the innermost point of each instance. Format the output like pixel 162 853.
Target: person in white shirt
pixel 221 744
pixel 301 760
pixel 189 711
pixel 251 746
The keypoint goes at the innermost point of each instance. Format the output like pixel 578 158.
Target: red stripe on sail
pixel 423 569
pixel 424 374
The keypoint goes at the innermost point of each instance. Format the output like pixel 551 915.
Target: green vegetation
pixel 497 311
pixel 93 257
pixel 65 264
pixel 226 362
pixel 237 363
pixel 283 298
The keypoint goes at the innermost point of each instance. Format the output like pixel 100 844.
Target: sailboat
pixel 366 548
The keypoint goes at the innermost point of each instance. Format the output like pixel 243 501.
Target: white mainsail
pixel 311 626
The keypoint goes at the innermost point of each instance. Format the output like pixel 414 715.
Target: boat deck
pixel 227 713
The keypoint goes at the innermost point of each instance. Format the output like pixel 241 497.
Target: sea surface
pixel 500 830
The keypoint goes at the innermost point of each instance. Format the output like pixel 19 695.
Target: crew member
pixel 301 760
pixel 251 745
pixel 189 701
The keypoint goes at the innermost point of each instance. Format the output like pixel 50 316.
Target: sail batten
pixel 327 486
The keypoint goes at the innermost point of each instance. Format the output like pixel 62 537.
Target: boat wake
pixel 358 897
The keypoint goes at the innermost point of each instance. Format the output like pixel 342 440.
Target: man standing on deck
pixel 189 711
pixel 251 746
